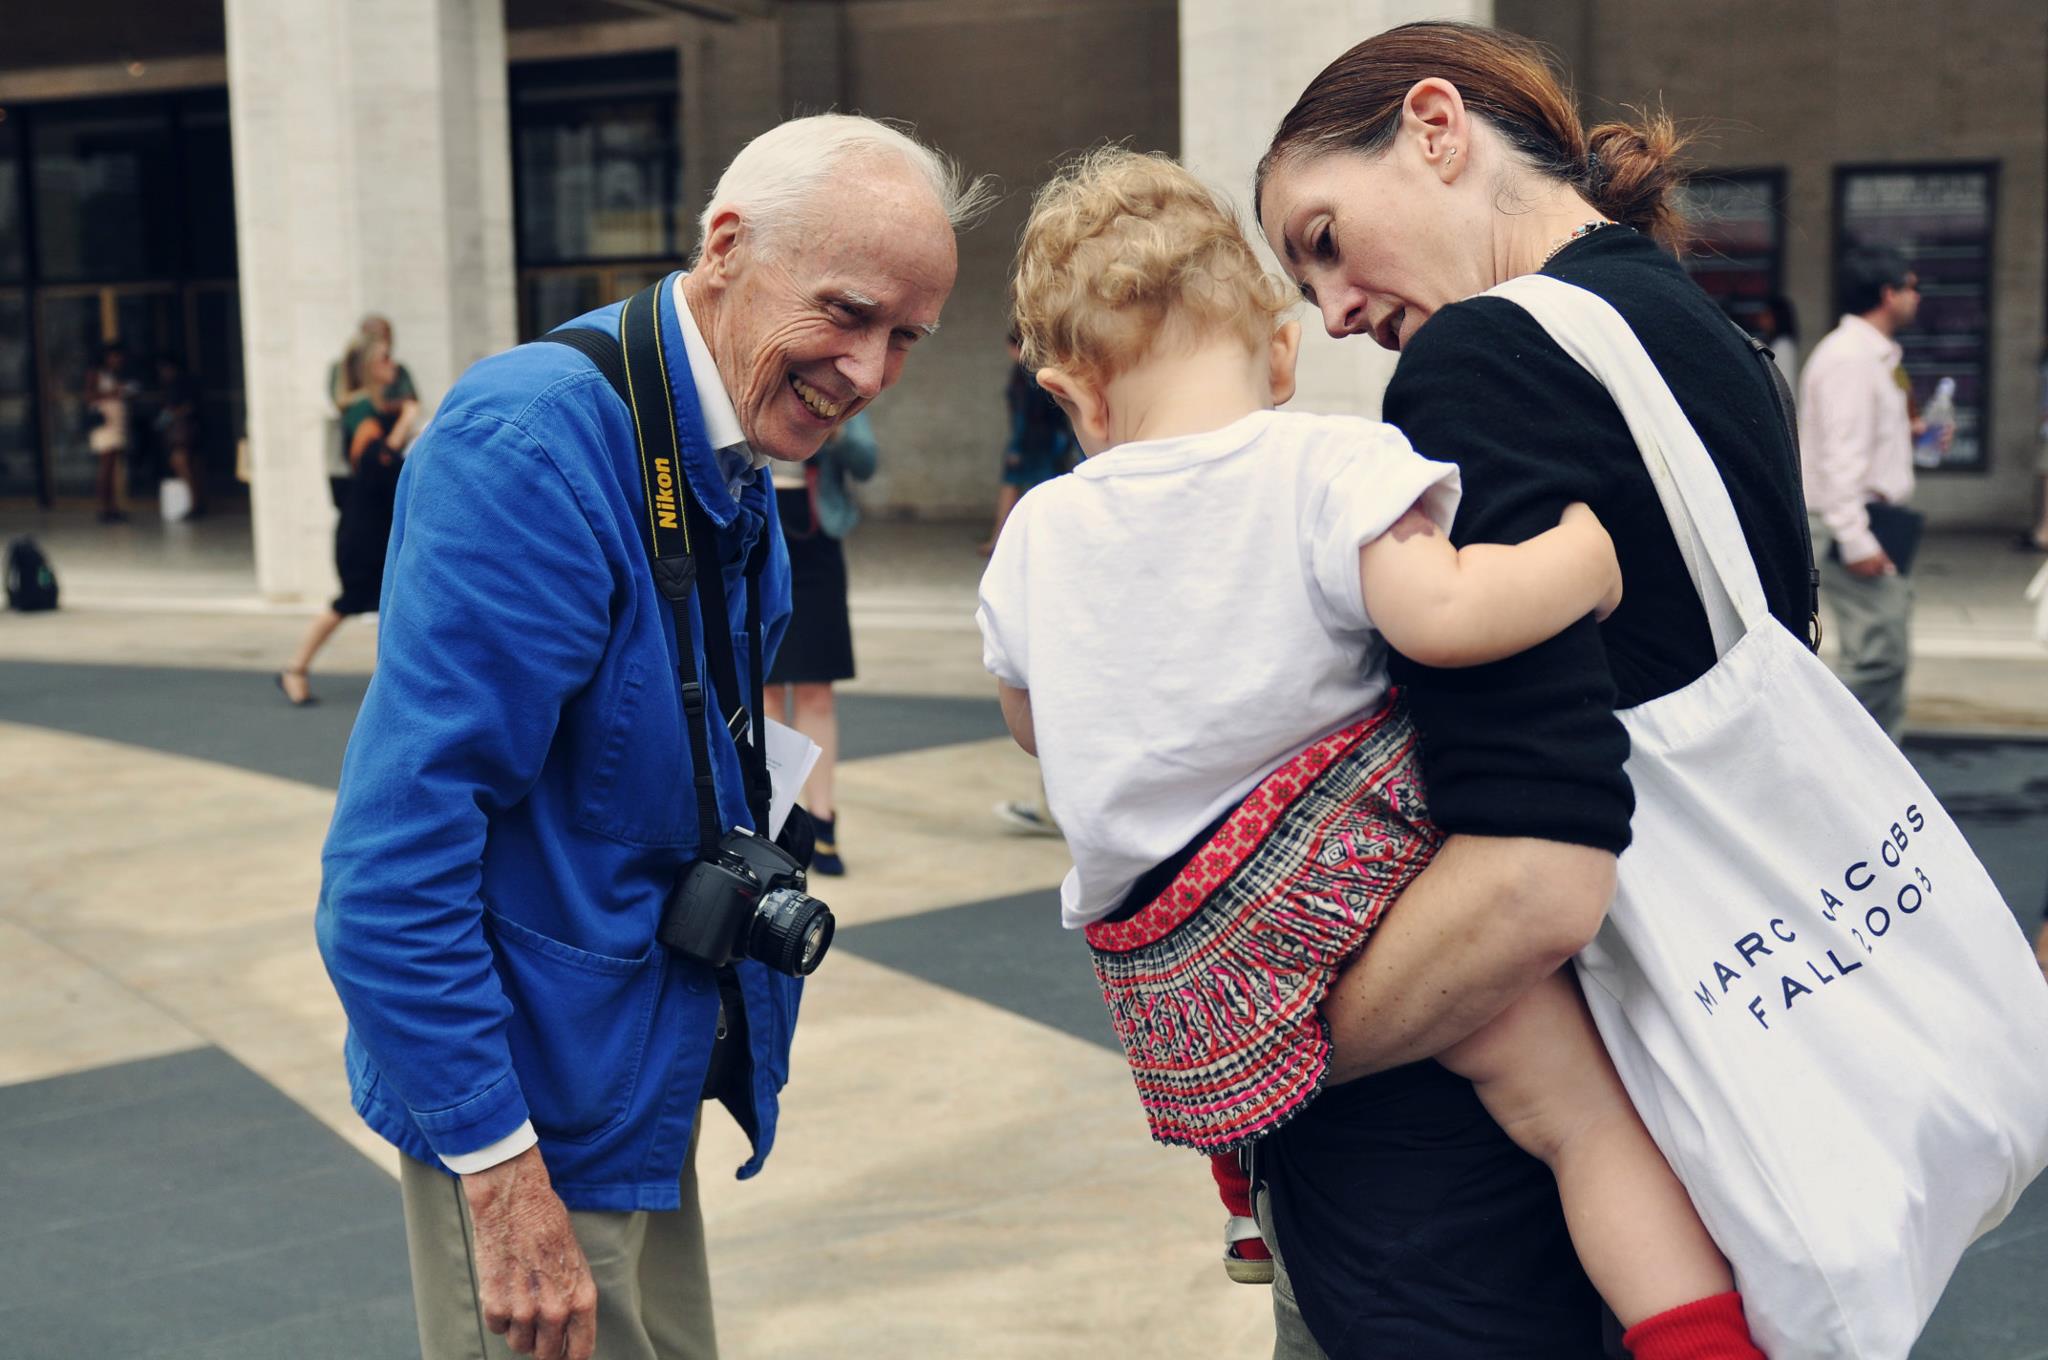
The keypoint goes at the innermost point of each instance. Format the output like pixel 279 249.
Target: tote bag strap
pixel 1688 484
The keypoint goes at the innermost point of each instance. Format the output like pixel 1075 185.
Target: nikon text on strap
pixel 682 546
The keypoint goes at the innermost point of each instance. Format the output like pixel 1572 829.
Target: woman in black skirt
pixel 364 530
pixel 817 511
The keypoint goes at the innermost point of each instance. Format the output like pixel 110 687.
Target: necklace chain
pixel 1584 229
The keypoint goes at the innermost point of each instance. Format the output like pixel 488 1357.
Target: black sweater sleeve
pixel 1527 746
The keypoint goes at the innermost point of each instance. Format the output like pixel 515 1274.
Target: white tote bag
pixel 1825 1013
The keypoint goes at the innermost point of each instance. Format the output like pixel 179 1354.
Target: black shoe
pixel 112 517
pixel 307 702
pixel 825 857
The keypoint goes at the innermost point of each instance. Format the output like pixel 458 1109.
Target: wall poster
pixel 1941 217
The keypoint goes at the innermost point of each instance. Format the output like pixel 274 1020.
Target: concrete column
pixel 372 173
pixel 1241 68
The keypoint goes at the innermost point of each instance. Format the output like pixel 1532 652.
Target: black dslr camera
pixel 746 900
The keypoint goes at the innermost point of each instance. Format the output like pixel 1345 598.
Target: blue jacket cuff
pixel 478 1122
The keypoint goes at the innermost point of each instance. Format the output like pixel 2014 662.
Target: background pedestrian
pixel 817 510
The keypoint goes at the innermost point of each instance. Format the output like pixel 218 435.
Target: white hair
pixel 775 181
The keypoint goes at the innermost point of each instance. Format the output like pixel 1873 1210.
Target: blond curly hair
pixel 1126 254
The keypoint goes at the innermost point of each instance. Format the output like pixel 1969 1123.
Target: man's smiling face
pixel 810 322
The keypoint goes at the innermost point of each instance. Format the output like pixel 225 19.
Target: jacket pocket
pixel 636 790
pixel 579 1028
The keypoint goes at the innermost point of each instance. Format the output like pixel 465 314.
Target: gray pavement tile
pixel 1009 952
pixel 81 1259
pixel 349 1269
pixel 891 724
pixel 147 1175
pixel 171 1202
pixel 1997 790
pixel 239 718
pixel 381 1329
pixel 100 1089
pixel 234 718
pixel 1994 1307
pixel 172 1121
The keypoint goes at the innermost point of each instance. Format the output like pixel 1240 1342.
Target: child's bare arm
pixel 1448 607
pixel 1017 715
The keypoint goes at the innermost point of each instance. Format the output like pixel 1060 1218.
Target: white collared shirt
pixel 1855 435
pixel 721 421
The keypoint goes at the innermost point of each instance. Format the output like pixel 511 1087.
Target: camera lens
pixel 791 932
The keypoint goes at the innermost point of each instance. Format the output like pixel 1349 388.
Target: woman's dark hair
pixel 1866 273
pixel 1782 315
pixel 1626 170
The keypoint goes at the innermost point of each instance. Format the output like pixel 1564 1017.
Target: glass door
pixel 74 325
pixel 20 452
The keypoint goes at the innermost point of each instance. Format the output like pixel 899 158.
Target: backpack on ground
pixel 31 584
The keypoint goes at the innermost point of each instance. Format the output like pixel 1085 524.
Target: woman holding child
pixel 1206 763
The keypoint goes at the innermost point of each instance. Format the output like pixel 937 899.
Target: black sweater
pixel 1530 746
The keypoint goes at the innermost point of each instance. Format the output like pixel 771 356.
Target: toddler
pixel 1191 634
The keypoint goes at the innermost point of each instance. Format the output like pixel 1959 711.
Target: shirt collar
pixel 1871 336
pixel 721 421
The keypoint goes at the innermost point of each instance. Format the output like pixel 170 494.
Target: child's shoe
pixel 1245 1257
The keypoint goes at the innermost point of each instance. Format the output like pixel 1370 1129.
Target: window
pixel 13 255
pixel 1940 216
pixel 1735 246
pixel 595 154
pixel 207 167
pixel 105 190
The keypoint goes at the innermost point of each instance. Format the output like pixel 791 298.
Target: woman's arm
pixel 1450 607
pixel 1488 919
pixel 1017 715
pixel 369 432
pixel 857 450
pixel 402 426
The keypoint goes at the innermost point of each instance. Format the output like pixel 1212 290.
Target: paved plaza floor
pixel 962 1169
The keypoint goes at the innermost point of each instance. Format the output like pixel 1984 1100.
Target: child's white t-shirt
pixel 1187 615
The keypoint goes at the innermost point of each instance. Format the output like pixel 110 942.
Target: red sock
pixel 1705 1329
pixel 1235 1189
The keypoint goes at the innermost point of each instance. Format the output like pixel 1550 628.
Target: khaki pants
pixel 1872 618
pixel 653 1284
pixel 1291 1339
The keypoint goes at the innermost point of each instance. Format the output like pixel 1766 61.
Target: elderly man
pixel 517 800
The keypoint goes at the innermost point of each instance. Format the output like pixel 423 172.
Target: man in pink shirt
pixel 1856 438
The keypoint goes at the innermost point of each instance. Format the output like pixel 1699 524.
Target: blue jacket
pixel 516 797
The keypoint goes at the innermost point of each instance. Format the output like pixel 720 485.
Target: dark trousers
pixel 1412 1226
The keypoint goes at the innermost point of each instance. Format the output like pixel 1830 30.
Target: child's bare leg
pixel 1543 1074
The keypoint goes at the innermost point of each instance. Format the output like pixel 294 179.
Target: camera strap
pixel 680 532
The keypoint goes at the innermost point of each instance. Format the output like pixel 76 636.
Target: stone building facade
pixel 480 169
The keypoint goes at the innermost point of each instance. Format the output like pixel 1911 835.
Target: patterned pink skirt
pixel 1213 986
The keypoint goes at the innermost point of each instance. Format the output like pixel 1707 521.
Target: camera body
pixel 746 900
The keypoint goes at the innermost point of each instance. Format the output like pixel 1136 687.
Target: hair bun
pixel 1633 172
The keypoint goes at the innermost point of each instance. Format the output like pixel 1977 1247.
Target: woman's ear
pixel 1086 404
pixel 1283 352
pixel 1433 117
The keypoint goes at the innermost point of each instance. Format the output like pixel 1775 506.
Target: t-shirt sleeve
pixel 1361 488
pixel 1529 745
pixel 1000 612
